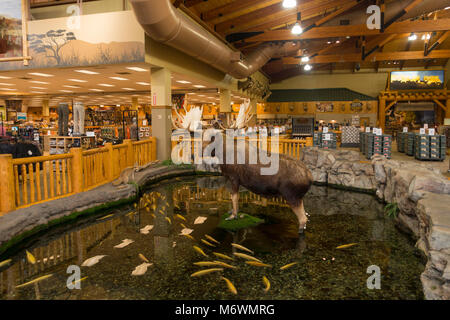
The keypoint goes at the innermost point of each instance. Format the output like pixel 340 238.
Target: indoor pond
pixel 146 250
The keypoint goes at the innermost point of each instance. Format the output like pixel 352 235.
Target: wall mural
pixel 413 80
pixel 10 28
pixel 57 43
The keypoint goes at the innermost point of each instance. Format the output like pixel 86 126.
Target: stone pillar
pixel 162 111
pixel 253 109
pixel 45 109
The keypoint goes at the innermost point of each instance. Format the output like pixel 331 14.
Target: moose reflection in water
pixel 164 257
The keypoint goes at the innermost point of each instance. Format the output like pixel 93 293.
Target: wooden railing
pixel 28 181
pixel 290 147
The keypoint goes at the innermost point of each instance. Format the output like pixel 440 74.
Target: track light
pixel 412 37
pixel 297 28
pixel 305 59
pixel 307 67
pixel 288 4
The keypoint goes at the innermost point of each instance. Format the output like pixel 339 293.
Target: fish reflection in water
pixel 159 262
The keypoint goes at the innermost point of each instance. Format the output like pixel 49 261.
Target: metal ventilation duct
pixel 163 23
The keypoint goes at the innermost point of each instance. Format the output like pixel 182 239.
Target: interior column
pixel 225 104
pixel 162 111
pixel 381 113
pixel 447 112
pixel 45 109
pixel 253 109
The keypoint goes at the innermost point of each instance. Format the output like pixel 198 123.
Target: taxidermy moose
pixel 291 181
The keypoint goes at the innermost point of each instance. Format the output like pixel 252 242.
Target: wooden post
pixel 382 113
pixel 77 170
pixel 7 190
pixel 130 154
pixel 153 155
pixel 109 162
pixel 447 112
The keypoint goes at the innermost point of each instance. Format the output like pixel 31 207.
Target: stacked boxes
pixel 387 146
pixel 409 144
pixel 422 147
pixel 437 147
pixel 371 144
pixel 329 144
pixel 401 141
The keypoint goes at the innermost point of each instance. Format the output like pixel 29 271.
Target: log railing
pixel 29 181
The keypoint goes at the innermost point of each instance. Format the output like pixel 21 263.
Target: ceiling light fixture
pixel 412 37
pixel 118 78
pixel 138 69
pixel 143 83
pixel 307 67
pixel 305 59
pixel 5 78
pixel 288 4
pixel 128 89
pixel 6 84
pixel 105 85
pixel 297 28
pixel 77 80
pixel 86 71
pixel 40 82
pixel 98 90
pixel 74 87
pixel 38 74
pixel 199 86
pixel 183 81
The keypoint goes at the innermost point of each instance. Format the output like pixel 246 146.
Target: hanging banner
pixel 13 30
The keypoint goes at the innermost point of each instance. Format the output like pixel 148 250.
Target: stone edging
pixel 20 224
pixel 422 195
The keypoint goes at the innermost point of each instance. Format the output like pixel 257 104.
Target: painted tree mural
pixel 51 43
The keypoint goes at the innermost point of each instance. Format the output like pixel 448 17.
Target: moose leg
pixel 234 200
pixel 300 212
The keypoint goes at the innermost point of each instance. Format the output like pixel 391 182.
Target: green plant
pixel 391 210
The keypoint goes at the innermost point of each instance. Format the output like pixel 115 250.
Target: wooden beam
pixel 390 105
pixel 379 56
pixel 401 14
pixel 233 7
pixel 437 43
pixel 354 31
pixel 440 105
pixel 191 3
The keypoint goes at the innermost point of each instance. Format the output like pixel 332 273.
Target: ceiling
pixel 98 85
pixel 246 24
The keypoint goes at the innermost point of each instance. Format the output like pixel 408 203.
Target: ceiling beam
pixel 354 31
pixel 191 3
pixel 437 43
pixel 379 56
pixel 233 7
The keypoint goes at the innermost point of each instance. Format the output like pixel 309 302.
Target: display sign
pixel 431 132
pixel 367 129
pixel 325 129
pixel 413 80
pixel 405 129
pixel 21 116
pixel 422 131
pixel 327 136
pixel 425 126
pixel 11 29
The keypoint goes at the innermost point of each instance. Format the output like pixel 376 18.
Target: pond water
pixel 322 271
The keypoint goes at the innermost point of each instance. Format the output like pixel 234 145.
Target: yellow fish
pixel 206 263
pixel 226 265
pixel 180 217
pixel 153 215
pixel 160 211
pixel 207 243
pixel 153 207
pixel 230 286
pixel 258 264
pixel 168 219
pixel 105 217
pixel 203 272
pixel 288 265
pixel 346 246
pixel 238 246
pixel 189 236
pixel 266 283
pixel 143 258
pixel 223 256
pixel 246 256
pixel 31 259
pixel 182 224
pixel 34 281
pixel 211 238
pixel 4 263
pixel 199 250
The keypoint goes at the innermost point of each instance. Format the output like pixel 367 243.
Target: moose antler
pixel 190 120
